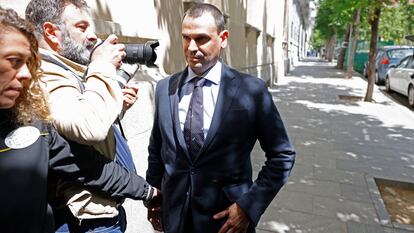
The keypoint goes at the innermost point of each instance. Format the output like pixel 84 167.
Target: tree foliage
pixel 380 20
pixel 334 16
pixel 396 22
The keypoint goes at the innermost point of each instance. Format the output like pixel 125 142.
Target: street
pixel 397 97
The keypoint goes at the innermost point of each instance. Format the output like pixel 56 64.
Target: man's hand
pixel 110 51
pixel 130 96
pixel 237 220
pixel 154 211
pixel 155 217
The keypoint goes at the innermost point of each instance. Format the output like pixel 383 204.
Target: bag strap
pixel 55 61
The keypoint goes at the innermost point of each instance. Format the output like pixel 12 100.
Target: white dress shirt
pixel 210 93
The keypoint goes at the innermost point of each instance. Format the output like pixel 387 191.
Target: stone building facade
pixel 267 37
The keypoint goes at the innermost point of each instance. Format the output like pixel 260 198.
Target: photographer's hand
pixel 110 51
pixel 130 96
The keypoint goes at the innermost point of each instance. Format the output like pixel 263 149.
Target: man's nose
pixel 92 36
pixel 192 46
pixel 23 73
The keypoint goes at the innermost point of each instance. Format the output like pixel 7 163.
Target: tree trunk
pixel 374 21
pixel 330 48
pixel 344 47
pixel 356 23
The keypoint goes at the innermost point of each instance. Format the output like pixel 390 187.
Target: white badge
pixel 22 137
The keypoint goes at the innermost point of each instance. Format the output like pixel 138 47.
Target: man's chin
pixel 196 65
pixel 197 68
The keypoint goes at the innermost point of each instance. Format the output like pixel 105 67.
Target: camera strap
pixel 55 61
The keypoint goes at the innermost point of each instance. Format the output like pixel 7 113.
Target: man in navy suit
pixel 207 120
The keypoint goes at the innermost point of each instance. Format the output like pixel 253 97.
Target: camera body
pixel 141 53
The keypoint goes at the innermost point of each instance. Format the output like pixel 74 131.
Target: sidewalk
pixel 342 146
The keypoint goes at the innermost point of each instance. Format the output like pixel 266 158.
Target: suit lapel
pixel 229 86
pixel 173 93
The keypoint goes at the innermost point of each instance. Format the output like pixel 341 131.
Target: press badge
pixel 22 137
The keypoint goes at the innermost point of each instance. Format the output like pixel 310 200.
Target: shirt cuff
pixel 152 191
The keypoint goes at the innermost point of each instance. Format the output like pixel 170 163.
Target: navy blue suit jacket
pixel 221 174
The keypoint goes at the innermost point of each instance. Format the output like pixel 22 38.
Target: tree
pixel 355 26
pixel 325 30
pixel 333 20
pixel 374 20
pixel 330 48
pixel 334 17
pixel 342 53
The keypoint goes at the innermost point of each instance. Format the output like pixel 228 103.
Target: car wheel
pixel 387 84
pixel 411 95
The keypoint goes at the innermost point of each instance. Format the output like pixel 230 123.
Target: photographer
pixel 85 100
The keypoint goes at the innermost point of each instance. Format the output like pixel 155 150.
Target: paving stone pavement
pixel 342 146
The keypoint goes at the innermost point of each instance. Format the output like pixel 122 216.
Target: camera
pixel 141 53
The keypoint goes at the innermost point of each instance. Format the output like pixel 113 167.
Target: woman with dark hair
pixel 32 154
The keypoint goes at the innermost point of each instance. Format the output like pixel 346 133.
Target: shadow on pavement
pixel 338 144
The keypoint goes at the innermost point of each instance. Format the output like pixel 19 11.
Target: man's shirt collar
pixel 213 74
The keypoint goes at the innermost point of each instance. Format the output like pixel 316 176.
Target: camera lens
pixel 141 53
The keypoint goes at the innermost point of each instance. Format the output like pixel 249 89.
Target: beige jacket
pixel 85 118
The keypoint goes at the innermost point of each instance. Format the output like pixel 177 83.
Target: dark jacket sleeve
pixel 92 169
pixel 156 169
pixel 280 156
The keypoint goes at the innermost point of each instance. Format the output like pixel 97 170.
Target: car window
pixel 403 63
pixel 410 63
pixel 399 53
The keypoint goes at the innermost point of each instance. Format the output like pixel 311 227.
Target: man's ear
pixel 51 34
pixel 223 36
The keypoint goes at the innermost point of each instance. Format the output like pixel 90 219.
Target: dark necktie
pixel 193 125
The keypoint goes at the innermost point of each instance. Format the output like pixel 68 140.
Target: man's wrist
pixel 152 192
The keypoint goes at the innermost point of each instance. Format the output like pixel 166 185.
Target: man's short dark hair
pixel 200 9
pixel 40 11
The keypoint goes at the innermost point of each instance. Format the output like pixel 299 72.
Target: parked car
pixel 386 56
pixel 400 78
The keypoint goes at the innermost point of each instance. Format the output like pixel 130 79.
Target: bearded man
pixel 85 100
